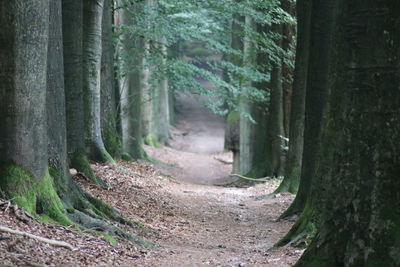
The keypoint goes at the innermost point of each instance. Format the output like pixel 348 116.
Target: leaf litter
pixel 191 225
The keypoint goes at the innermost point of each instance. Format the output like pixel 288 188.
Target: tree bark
pixel 164 109
pixel 72 27
pixel 24 172
pixel 92 51
pixel 361 221
pixel 275 129
pixel 109 98
pixel 308 199
pixel 232 124
pixel 291 180
pixel 131 89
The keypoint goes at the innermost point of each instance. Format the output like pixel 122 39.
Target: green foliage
pixel 198 35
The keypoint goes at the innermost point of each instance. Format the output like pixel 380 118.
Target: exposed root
pixel 263 179
pixel 42 239
pixel 223 161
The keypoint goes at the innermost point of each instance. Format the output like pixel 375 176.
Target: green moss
pixel 110 239
pixel 126 156
pixel 233 116
pixel 151 140
pixel 104 156
pixel 302 231
pixel 36 196
pixel 80 162
pixel 112 142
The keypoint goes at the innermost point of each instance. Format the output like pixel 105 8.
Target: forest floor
pixel 190 217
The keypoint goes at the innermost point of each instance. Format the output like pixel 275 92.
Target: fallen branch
pixel 42 239
pixel 263 179
pixel 224 161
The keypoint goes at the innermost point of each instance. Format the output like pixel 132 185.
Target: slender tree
pixel 275 129
pixel 131 85
pixel 109 97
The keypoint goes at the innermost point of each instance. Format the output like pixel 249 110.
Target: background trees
pixel 60 96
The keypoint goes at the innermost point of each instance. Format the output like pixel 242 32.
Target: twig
pixel 263 179
pixel 42 239
pixel 224 161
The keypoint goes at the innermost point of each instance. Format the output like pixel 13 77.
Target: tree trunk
pixel 246 125
pixel 164 109
pixel 24 172
pixel 275 129
pixel 72 26
pixel 131 90
pixel 92 50
pixel 232 124
pixel 361 223
pixel 296 137
pixel 112 139
pixel 308 198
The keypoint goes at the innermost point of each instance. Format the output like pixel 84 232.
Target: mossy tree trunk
pixel 361 222
pixel 72 27
pixel 92 51
pixel 291 180
pixel 308 199
pixel 24 171
pixel 109 98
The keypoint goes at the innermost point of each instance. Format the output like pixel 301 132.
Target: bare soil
pixel 191 220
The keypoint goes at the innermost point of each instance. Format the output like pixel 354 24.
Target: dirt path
pixel 197 142
pixel 221 226
pixel 191 221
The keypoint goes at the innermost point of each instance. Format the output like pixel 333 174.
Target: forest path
pixel 192 222
pixel 217 226
pixel 196 145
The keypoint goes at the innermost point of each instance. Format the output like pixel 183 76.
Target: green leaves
pixel 198 35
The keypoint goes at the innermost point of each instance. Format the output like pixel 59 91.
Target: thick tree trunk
pixel 308 198
pixel 72 27
pixel 24 173
pixel 92 50
pixel 109 99
pixel 361 223
pixel 296 137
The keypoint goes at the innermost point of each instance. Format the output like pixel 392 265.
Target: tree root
pixel 263 179
pixel 42 239
pixel 223 161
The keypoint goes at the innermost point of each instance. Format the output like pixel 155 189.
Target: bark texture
pixel 92 51
pixel 361 223
pixel 275 129
pixel 24 172
pixel 109 97
pixel 291 180
pixel 72 28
